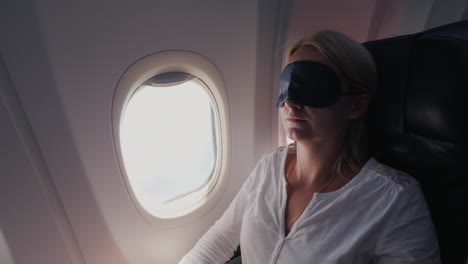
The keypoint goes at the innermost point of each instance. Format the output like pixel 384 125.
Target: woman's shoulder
pixel 274 153
pixel 393 177
pixel 392 188
pixel 271 160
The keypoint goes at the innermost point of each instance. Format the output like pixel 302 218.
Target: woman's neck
pixel 315 160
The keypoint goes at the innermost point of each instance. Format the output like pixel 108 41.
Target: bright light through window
pixel 168 141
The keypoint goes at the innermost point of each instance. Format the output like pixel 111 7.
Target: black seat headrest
pixel 417 122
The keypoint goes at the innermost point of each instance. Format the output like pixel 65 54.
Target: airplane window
pixel 171 130
pixel 168 140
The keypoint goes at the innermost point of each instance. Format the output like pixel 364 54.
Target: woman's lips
pixel 295 119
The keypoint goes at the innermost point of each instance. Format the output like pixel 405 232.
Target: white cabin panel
pixel 75 53
pixel 30 230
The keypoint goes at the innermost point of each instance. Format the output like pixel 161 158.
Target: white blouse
pixel 380 216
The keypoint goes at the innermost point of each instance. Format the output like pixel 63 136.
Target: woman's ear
pixel 359 106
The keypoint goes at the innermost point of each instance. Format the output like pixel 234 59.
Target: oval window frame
pixel 204 70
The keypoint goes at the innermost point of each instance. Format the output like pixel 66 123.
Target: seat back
pixel 418 123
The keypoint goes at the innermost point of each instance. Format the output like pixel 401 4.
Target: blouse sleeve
pixel 409 235
pixel 220 241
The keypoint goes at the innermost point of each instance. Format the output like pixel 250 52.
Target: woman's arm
pixel 219 243
pixel 409 235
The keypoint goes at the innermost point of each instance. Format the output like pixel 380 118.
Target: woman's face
pixel 304 123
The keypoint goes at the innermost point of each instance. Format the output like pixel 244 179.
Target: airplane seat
pixel 418 123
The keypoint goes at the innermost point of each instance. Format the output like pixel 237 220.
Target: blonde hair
pixel 357 72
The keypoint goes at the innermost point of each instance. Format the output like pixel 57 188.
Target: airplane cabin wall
pixel 65 59
pixel 366 20
pixel 445 12
pixel 31 230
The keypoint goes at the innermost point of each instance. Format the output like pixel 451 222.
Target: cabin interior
pixel 68 70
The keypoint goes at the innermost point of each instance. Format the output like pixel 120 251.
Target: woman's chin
pixel 298 135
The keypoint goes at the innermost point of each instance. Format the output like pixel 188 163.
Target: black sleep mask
pixel 310 83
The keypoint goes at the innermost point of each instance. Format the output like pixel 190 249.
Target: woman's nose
pixel 291 104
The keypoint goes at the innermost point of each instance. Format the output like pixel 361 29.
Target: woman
pixel 322 199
